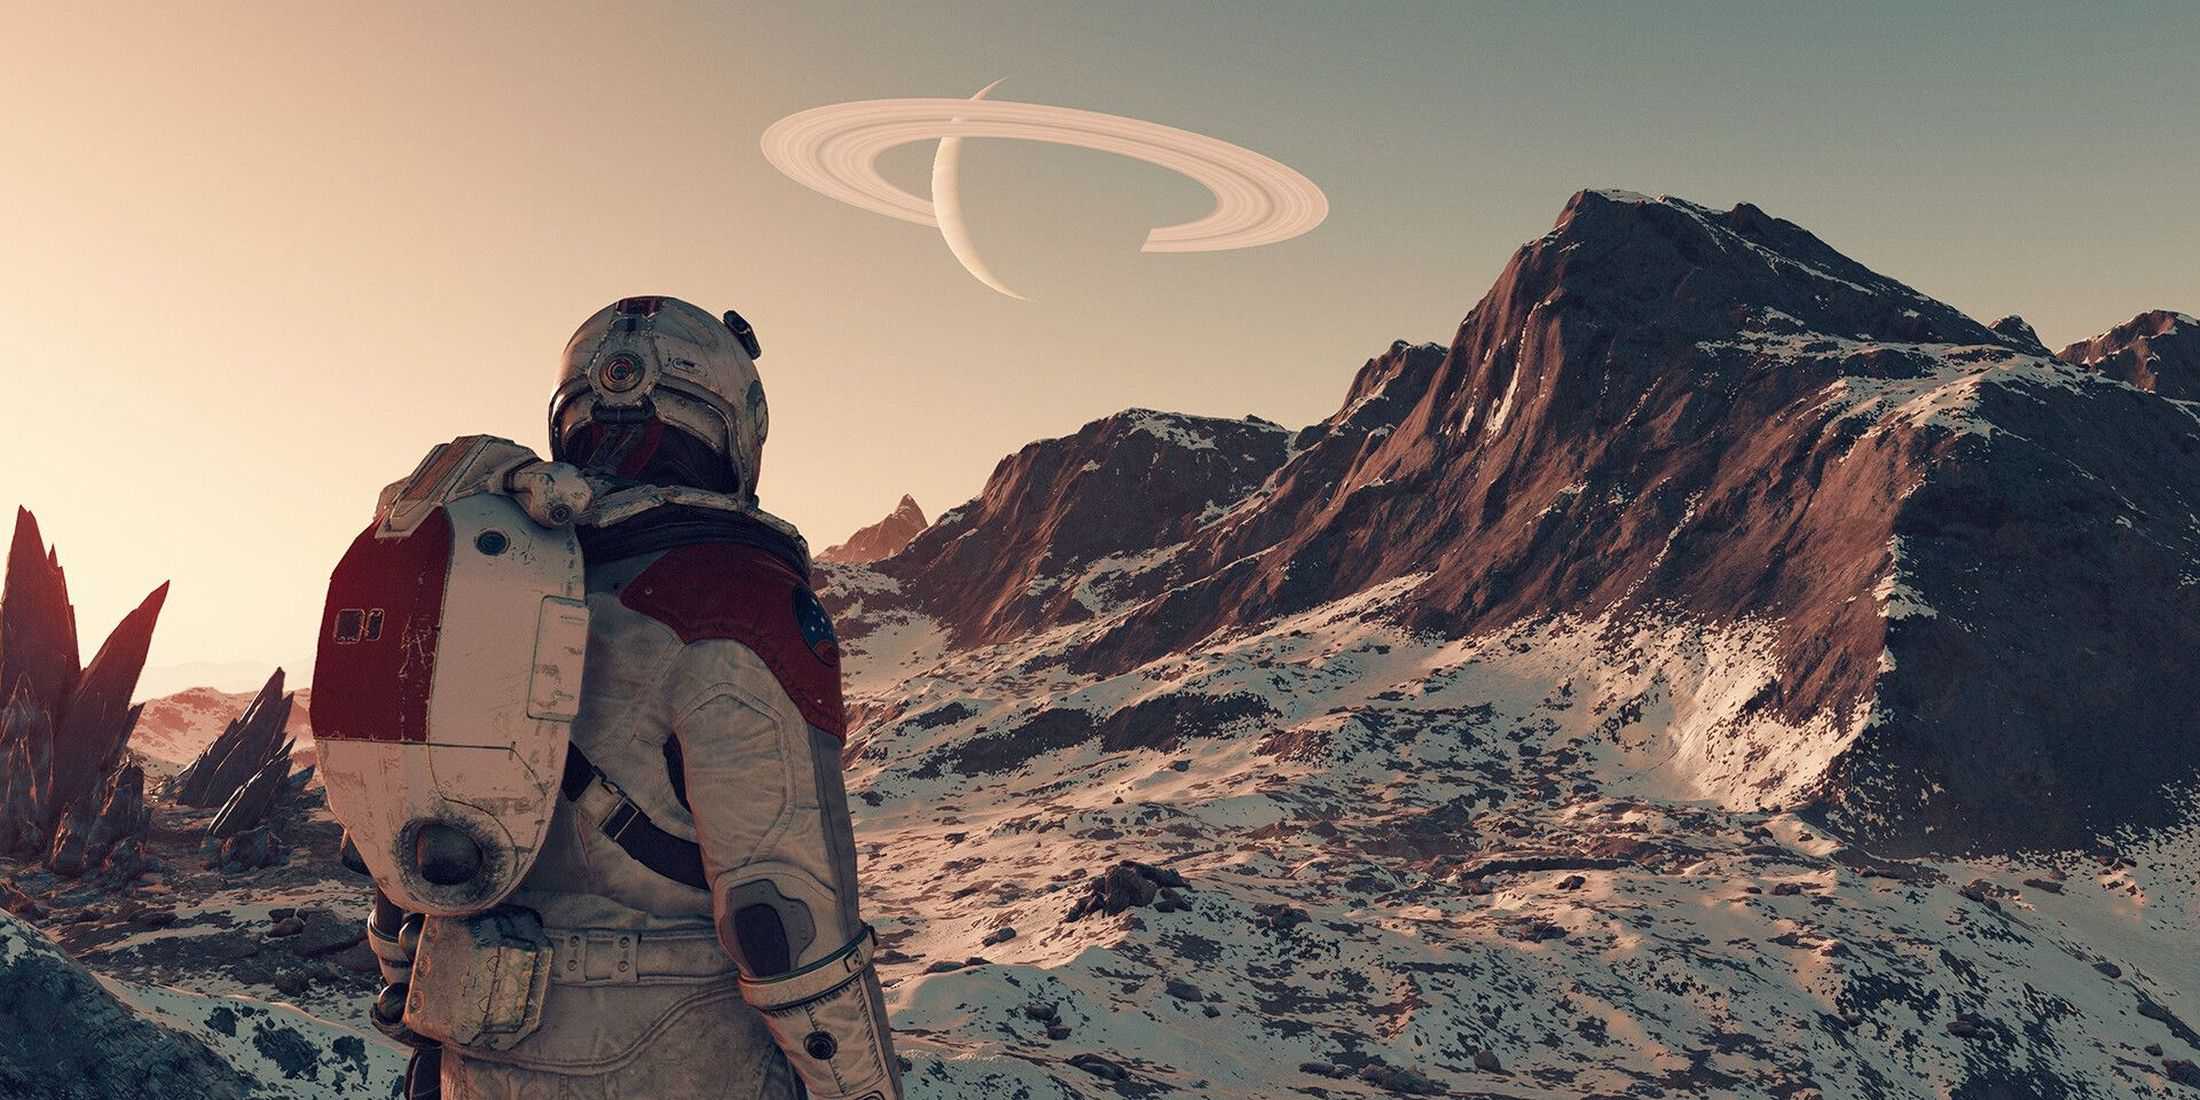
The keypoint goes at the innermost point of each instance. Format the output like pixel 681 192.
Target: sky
pixel 256 259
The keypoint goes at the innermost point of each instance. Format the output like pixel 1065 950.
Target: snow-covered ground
pixel 1560 849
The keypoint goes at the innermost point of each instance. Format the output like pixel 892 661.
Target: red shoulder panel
pixel 745 594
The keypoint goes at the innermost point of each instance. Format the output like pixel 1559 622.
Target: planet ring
pixel 834 151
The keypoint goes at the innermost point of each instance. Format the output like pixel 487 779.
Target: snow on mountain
pixel 1404 852
pixel 1714 673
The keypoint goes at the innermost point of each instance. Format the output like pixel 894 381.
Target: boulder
pixel 1127 885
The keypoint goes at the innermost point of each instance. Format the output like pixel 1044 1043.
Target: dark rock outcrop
pixel 66 794
pixel 95 826
pixel 252 743
pixel 253 802
pixel 38 652
pixel 1129 885
pixel 883 539
pixel 64 1037
pixel 2158 351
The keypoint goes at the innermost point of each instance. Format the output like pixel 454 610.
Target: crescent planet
pixel 834 150
pixel 947 208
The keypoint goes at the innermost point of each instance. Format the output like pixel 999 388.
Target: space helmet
pixel 643 368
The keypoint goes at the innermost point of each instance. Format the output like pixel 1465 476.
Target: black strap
pixel 631 829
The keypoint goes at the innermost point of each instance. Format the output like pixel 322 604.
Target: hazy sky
pixel 254 260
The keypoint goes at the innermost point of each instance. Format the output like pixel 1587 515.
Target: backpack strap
pixel 619 819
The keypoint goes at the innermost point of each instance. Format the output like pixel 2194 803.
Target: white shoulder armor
pixel 551 493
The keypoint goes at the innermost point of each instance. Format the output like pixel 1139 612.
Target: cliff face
pixel 1972 556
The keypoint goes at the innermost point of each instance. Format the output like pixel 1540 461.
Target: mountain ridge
pixel 1716 414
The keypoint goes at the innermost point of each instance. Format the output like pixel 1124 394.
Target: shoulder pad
pixel 467 465
pixel 746 594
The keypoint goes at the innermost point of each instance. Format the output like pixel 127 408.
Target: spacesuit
pixel 696 893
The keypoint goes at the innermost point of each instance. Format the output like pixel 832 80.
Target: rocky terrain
pixel 1719 670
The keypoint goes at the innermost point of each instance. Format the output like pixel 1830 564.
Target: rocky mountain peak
pixel 882 539
pixel 2158 350
pixel 1061 516
pixel 1667 412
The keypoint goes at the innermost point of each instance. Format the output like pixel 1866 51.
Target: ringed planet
pixel 834 150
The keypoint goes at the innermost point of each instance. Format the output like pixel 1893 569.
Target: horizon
pixel 262 307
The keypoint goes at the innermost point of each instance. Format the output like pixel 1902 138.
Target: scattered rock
pixel 2109 968
pixel 358 959
pixel 2181 1071
pixel 943 966
pixel 2047 884
pixel 1127 885
pixel 293 982
pixel 1397 1080
pixel 288 926
pixel 997 937
pixel 1324 1069
pixel 1970 1025
pixel 1099 1067
pixel 1786 889
pixel 325 933
pixel 1184 991
pixel 1486 1061
pixel 1572 882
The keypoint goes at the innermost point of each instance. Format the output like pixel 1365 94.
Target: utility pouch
pixel 480 981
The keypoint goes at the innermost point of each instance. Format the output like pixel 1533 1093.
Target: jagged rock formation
pixel 249 747
pixel 2157 351
pixel 882 539
pixel 257 799
pixel 64 1037
pixel 67 795
pixel 1971 556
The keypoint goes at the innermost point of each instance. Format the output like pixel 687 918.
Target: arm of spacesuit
pixel 772 819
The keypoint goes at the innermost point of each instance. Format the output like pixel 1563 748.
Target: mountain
pixel 2157 351
pixel 173 730
pixel 1718 670
pixel 1704 417
pixel 881 539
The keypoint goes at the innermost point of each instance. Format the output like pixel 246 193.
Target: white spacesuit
pixel 694 899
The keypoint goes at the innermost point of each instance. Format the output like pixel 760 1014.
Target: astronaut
pixel 697 888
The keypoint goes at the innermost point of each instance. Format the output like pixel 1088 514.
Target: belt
pixel 624 956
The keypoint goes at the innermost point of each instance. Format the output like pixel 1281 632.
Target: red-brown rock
pixel 2157 351
pixel 883 539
